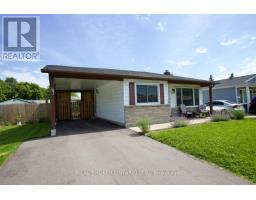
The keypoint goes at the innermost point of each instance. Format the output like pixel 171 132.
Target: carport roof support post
pixel 53 114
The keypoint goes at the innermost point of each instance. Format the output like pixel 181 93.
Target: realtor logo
pixel 20 38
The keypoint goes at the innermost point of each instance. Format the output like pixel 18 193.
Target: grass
pixel 229 144
pixel 12 136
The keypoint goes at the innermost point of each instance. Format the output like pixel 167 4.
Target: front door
pixel 87 104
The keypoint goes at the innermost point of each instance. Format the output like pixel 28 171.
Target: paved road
pixel 106 155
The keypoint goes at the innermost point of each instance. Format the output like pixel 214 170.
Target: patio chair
pixel 184 111
pixel 202 111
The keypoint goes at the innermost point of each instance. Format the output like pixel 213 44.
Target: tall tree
pixel 12 83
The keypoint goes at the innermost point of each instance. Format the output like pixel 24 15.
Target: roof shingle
pixel 234 81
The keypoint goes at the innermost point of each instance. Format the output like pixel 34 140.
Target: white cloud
pixel 245 40
pixel 248 36
pixel 161 26
pixel 248 68
pixel 228 42
pixel 223 73
pixel 1 63
pixel 201 50
pixel 181 63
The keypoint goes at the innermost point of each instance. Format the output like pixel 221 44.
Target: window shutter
pixel 131 93
pixel 162 93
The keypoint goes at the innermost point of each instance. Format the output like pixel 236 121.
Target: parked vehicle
pixel 252 108
pixel 222 105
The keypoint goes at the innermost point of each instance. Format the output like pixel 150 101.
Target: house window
pixel 196 94
pixel 187 96
pixel 147 93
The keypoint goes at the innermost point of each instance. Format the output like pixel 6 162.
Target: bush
pixel 220 116
pixel 237 114
pixel 144 125
pixel 180 123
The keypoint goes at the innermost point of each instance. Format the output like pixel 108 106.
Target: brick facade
pixel 156 114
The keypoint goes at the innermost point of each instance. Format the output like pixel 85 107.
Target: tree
pixel 12 83
pixel 36 91
pixel 211 78
pixel 11 88
pixel 74 94
pixel 4 90
pixel 24 90
pixel 46 92
pixel 30 91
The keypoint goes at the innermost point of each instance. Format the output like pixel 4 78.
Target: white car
pixel 222 105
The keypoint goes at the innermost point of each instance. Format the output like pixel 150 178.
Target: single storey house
pixel 120 96
pixel 240 89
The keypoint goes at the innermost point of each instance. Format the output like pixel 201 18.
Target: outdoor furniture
pixel 202 111
pixel 184 111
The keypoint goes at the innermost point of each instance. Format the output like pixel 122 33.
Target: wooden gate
pixel 75 109
pixel 63 109
pixel 87 104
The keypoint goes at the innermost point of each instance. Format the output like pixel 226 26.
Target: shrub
pixel 237 114
pixel 220 116
pixel 144 125
pixel 180 123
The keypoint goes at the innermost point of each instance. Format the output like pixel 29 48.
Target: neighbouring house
pixel 120 96
pixel 240 89
pixel 20 101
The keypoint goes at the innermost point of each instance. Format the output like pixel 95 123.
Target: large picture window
pixel 187 96
pixel 147 93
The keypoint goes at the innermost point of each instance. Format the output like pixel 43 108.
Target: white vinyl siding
pixel 110 102
pixel 145 82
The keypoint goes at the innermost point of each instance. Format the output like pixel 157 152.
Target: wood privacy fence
pixel 28 113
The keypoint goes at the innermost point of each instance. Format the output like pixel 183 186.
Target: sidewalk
pixel 156 127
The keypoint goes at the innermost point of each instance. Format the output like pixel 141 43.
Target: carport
pixel 96 97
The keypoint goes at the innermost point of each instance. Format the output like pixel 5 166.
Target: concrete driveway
pixel 101 153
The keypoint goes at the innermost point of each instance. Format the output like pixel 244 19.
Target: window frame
pixel 148 103
pixel 181 96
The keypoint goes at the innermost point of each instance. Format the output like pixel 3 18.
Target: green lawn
pixel 231 144
pixel 12 136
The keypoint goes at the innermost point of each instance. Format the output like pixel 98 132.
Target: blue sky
pixel 186 45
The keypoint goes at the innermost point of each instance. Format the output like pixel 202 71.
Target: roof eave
pixel 103 76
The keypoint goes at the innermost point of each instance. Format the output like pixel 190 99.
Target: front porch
pixel 246 94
